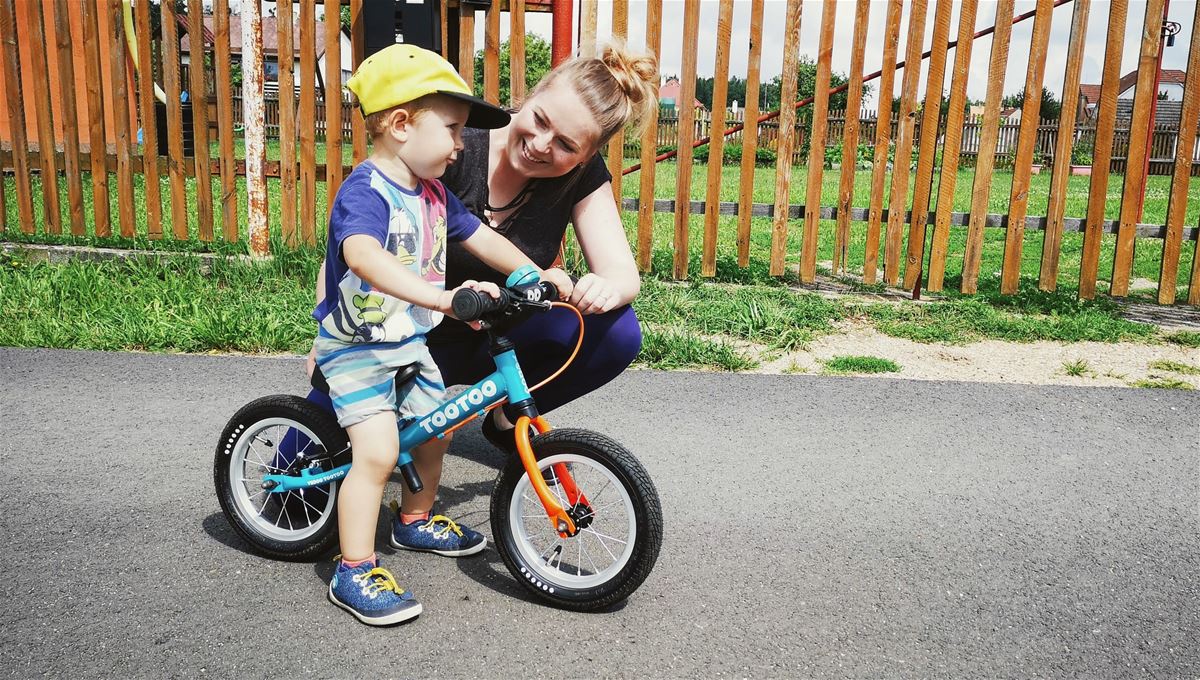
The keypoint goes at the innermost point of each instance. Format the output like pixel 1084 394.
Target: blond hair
pixel 375 122
pixel 619 87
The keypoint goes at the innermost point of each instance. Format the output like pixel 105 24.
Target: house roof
pixel 670 90
pixel 1164 76
pixel 1091 93
pixel 270 29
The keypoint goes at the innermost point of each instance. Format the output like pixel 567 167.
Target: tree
pixel 1050 107
pixel 537 65
pixel 771 93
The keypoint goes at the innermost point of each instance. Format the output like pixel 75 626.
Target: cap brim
pixel 484 114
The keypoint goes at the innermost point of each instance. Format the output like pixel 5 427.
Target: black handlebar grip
pixel 469 305
pixel 550 291
pixel 411 478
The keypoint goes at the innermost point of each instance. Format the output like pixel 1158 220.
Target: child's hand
pixel 310 362
pixel 481 286
pixel 561 280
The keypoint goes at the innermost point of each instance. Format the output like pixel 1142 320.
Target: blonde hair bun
pixel 619 87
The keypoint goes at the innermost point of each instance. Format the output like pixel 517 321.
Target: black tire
pixel 589 456
pixel 296 525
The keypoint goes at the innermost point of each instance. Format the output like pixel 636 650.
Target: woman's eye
pixel 566 147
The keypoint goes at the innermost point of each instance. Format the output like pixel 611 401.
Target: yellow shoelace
pixel 450 526
pixel 381 580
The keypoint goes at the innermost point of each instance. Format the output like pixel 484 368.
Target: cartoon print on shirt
pixel 370 311
pixel 402 237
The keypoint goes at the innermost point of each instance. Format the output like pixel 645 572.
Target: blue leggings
pixel 611 341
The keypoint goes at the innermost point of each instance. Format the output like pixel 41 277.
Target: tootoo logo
pixel 475 396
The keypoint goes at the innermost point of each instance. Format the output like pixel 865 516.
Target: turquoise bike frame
pixel 508 382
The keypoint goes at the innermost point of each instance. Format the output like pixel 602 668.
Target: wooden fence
pixel 78 97
pixel 1162 155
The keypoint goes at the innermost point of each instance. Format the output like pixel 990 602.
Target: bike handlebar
pixel 470 305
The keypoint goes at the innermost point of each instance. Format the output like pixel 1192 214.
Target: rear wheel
pixel 264 438
pixel 620 524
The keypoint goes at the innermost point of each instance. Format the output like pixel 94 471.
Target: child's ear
pixel 398 123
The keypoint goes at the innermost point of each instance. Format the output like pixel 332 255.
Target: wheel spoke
pixel 600 539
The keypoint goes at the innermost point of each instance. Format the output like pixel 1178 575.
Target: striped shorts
pixel 362 378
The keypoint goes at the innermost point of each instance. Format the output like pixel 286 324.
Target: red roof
pixel 670 90
pixel 270 29
pixel 1164 76
pixel 1090 94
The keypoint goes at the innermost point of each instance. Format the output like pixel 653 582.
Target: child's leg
pixel 428 458
pixel 375 446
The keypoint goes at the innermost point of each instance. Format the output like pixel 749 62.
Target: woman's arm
pixel 614 280
pixel 500 254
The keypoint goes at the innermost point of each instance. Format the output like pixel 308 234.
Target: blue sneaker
pixel 372 595
pixel 438 534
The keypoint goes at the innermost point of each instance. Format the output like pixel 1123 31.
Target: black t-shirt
pixel 536 228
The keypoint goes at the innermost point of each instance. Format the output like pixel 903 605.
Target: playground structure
pixel 76 71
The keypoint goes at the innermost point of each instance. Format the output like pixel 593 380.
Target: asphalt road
pixel 815 527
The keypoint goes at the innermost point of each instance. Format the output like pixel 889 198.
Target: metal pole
pixel 252 101
pixel 560 47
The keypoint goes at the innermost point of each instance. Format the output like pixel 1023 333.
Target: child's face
pixel 434 138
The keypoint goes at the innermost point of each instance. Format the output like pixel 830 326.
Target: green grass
pixel 1175 367
pixel 174 304
pixel 861 364
pixel 1183 338
pixel 1077 368
pixel 1161 383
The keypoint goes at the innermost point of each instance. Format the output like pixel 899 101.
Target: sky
pixel 1181 11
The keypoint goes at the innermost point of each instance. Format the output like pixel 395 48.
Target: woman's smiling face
pixel 552 133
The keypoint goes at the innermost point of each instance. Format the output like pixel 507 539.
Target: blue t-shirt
pixel 413 225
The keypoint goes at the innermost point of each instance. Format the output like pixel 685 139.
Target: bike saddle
pixel 404 375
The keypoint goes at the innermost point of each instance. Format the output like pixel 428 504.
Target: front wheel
pixel 264 438
pixel 620 523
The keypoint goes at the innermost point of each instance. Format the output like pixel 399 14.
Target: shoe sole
pixel 393 618
pixel 444 553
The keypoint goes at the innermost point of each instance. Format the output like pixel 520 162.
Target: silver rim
pixel 289 516
pixel 596 554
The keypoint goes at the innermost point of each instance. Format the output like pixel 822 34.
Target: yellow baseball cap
pixel 400 73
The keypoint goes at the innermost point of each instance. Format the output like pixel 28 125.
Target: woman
pixel 528 181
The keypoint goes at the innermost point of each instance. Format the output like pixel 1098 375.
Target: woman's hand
pixel 561 280
pixel 595 295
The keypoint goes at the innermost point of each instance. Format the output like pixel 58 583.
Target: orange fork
pixel 559 519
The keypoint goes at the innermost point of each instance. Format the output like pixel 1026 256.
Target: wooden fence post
pixel 287 125
pixel 787 136
pixel 645 235
pixel 1135 160
pixel 1018 198
pixel 883 131
pixel 70 115
pixel 1102 148
pixel 198 96
pixel 1181 176
pixel 919 223
pixel 816 145
pixel 749 135
pixel 905 122
pixel 850 134
pixel 687 131
pixel 986 160
pixel 1056 205
pixel 51 211
pixel 716 145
